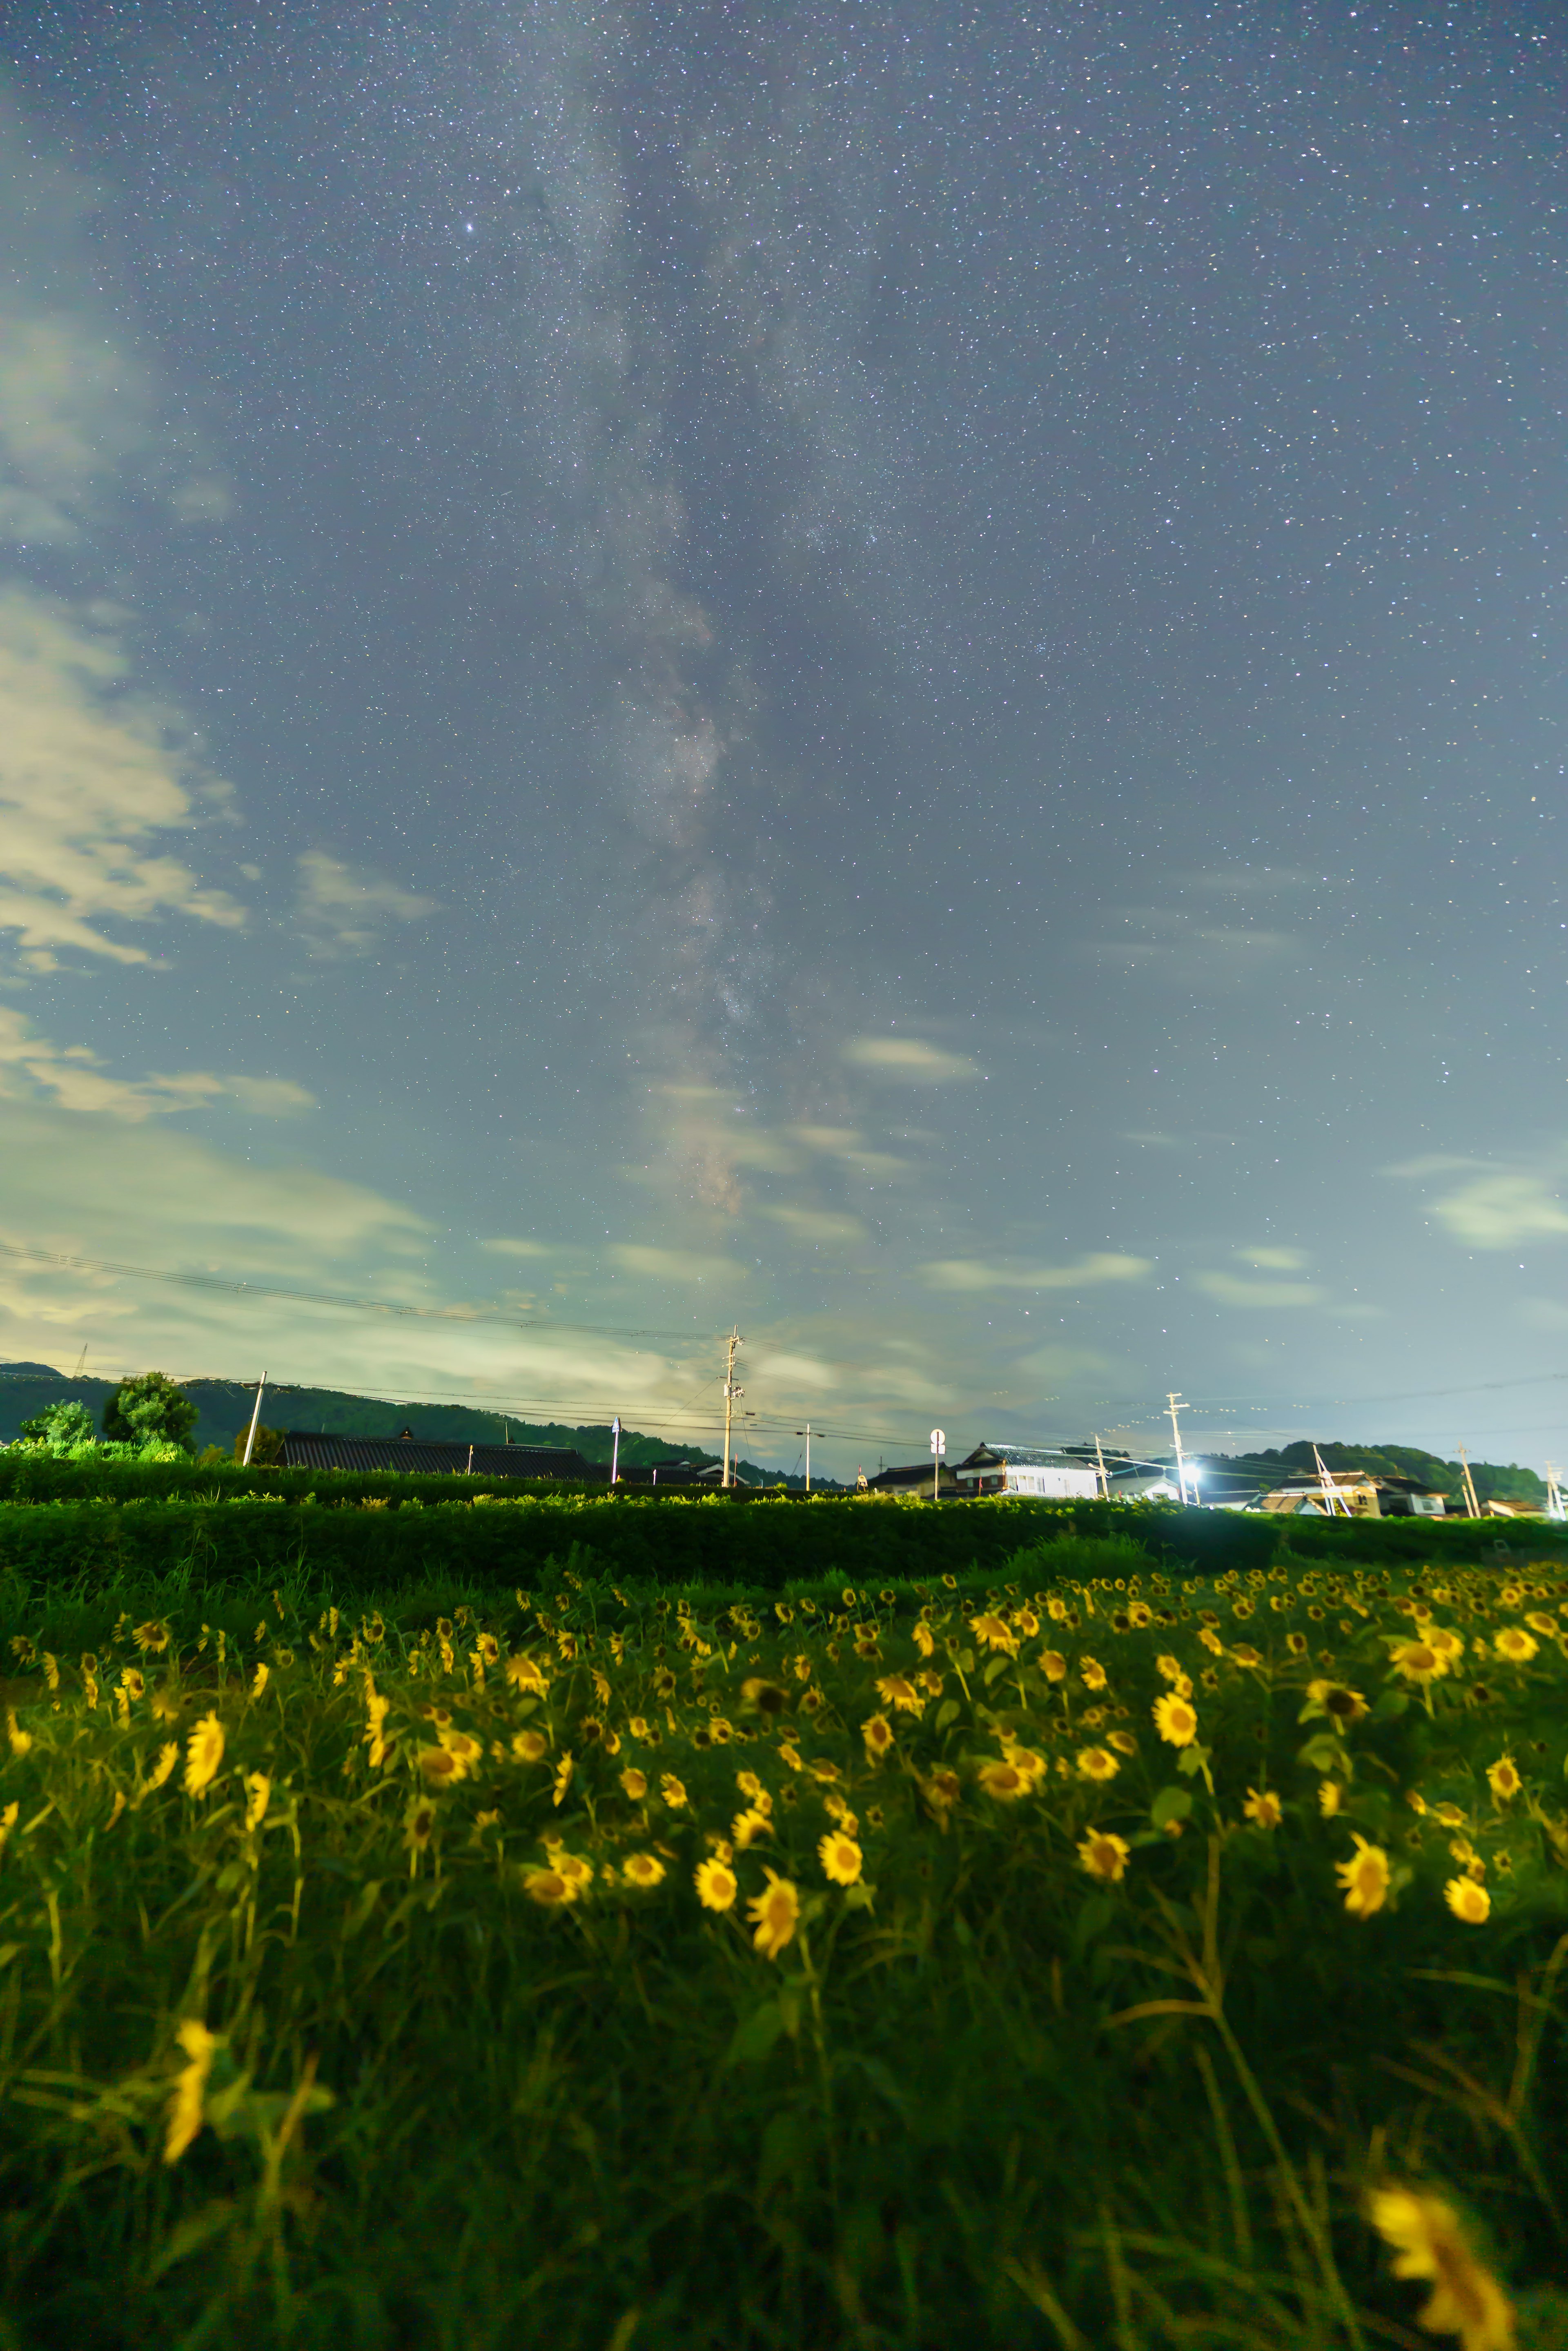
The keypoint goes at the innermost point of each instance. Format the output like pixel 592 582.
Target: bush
pixel 150 1406
pixel 265 1448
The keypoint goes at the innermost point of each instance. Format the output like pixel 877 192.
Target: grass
pixel 1062 2032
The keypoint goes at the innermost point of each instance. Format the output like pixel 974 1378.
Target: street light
pixel 938 1449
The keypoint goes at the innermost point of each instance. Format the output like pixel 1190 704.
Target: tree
pixel 61 1428
pixel 149 1406
pixel 267 1452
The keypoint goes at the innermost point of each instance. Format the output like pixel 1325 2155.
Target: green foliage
pixel 149 1408
pixel 265 1451
pixel 385 1533
pixel 979 2097
pixel 61 1428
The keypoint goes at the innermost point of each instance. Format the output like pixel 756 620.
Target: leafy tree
pixel 267 1452
pixel 60 1427
pixel 150 1406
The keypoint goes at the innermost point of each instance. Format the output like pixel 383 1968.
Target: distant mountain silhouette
pixel 28 1389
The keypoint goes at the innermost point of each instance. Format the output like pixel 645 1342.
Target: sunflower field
pixel 1066 1958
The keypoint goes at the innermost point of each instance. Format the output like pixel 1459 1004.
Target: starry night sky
pixel 893 673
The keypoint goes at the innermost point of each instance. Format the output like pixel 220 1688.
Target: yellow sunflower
pixel 1103 1855
pixel 1175 1719
pixel 776 1912
pixel 1365 1877
pixel 840 1858
pixel 717 1884
pixel 1430 2244
pixel 877 1733
pixel 204 1755
pixel 1468 1901
pixel 1419 1663
pixel 1097 1763
pixel 189 2094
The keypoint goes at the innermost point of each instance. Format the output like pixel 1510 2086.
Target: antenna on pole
pixel 1173 1401
pixel 81 1361
pixel 730 1393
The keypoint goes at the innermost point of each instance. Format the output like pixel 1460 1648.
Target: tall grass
pixel 1070 2039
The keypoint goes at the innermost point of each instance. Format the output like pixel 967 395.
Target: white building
pixel 1044 1471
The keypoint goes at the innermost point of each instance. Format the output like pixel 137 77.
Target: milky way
pixel 894 672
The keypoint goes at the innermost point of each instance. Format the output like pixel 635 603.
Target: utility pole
pixel 1330 1491
pixel 615 1449
pixel 255 1417
pixel 730 1393
pixel 938 1448
pixel 806 1433
pixel 1474 1508
pixel 1553 1491
pixel 1104 1473
pixel 1173 1399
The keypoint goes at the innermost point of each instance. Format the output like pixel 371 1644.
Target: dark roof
pixel 1028 1457
pixel 913 1477
pixel 305 1448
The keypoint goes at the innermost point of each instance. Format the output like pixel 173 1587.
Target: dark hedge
pixel 319 1525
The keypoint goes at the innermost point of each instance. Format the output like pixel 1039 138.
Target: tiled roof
pixel 315 1449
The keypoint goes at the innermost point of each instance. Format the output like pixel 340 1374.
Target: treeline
pixel 1504 1482
pixel 222 1409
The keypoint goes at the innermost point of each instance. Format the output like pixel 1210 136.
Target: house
pixel 1049 1472
pixel 316 1449
pixel 915 1478
pixel 1356 1494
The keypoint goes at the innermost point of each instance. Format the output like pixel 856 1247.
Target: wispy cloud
pixel 911 1059
pixel 1232 1291
pixel 1502 1206
pixel 974 1273
pixel 677 1266
pixel 74 1077
pixel 815 1225
pixel 343 910
pixel 1503 1211
pixel 91 771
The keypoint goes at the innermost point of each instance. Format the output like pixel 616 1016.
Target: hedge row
pixel 29 1476
pixel 763 1544
pixel 360 1549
